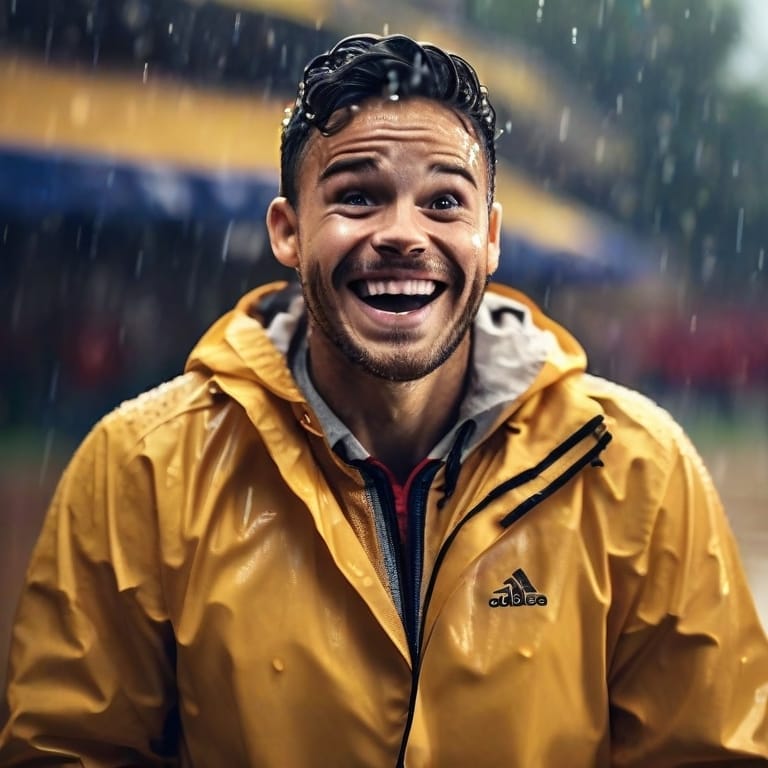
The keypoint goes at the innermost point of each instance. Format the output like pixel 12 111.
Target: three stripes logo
pixel 517 591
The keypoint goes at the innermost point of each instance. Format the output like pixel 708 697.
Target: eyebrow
pixel 454 169
pixel 368 164
pixel 349 165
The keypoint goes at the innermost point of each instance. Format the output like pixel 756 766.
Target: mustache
pixel 437 268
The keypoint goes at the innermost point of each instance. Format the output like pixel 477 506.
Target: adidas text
pixel 516 592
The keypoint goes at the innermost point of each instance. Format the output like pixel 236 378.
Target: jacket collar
pixel 517 351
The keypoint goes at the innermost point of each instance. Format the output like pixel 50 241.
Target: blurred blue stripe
pixel 38 183
pixel 35 184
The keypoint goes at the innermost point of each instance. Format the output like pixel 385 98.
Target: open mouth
pixel 397 296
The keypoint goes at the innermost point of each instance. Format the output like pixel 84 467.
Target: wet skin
pixel 393 241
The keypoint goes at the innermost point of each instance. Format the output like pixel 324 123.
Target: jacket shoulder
pixel 638 423
pixel 131 422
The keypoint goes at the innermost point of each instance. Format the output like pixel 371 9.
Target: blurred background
pixel 138 152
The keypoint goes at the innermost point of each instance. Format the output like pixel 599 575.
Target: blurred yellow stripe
pixel 165 121
pixel 543 219
pixel 123 117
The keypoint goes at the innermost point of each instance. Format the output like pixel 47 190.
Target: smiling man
pixel 385 518
pixel 394 241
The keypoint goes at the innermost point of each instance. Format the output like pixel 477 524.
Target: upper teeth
pixel 395 287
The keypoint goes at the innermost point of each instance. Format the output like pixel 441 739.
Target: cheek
pixel 333 238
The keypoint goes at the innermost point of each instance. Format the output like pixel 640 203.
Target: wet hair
pixel 361 67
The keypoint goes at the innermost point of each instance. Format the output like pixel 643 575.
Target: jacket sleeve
pixel 689 674
pixel 91 663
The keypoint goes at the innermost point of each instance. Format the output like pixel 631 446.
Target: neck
pixel 397 422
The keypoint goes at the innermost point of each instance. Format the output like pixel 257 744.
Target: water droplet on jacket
pixel 526 652
pixel 278 665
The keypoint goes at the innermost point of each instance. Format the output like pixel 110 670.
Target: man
pixel 387 520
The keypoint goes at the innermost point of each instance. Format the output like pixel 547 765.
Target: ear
pixel 494 237
pixel 282 225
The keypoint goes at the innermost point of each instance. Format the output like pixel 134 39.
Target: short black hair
pixel 365 66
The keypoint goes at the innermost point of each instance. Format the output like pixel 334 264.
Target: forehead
pixel 414 126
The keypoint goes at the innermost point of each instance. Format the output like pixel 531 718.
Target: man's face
pixel 392 238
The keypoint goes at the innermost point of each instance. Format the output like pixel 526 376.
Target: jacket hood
pixel 518 351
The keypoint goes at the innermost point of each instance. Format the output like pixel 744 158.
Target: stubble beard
pixel 399 365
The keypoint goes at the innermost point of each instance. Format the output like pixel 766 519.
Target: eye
pixel 444 203
pixel 354 197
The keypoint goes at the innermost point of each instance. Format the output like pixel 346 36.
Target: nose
pixel 399 232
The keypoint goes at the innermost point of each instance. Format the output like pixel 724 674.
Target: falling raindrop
pixel 565 119
pixel 761 260
pixel 227 237
pixel 574 35
pixel 95 235
pixel 54 384
pixel 620 104
pixel 600 150
pixel 236 28
pixel 713 22
pixel 739 230
pixel 145 75
pixel 48 41
pixel 139 264
pixel 693 324
pixel 698 154
pixel 393 83
pixel 708 265
pixel 668 170
pixel 47 448
pixel 735 169
pixel 540 12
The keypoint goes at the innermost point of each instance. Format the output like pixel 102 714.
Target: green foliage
pixel 654 69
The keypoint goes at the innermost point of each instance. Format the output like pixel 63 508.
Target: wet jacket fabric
pixel 209 587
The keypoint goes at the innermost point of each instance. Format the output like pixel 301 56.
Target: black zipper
pixel 417 506
pixel 594 427
pixel 410 568
pixel 378 478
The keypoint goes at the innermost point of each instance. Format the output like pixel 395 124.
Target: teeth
pixel 397 287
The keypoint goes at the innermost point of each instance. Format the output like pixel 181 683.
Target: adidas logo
pixel 517 591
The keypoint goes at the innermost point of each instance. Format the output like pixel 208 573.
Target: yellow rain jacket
pixel 210 590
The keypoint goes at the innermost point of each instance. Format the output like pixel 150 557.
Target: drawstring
pixel 453 462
